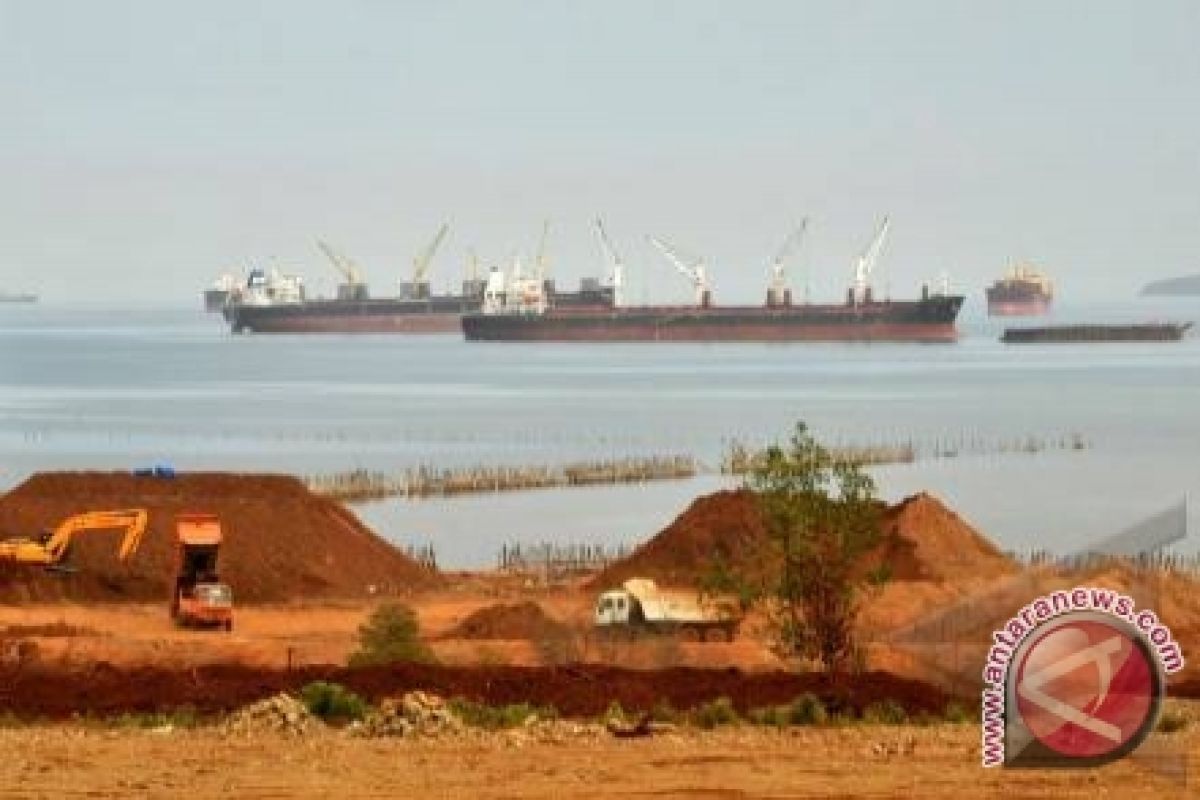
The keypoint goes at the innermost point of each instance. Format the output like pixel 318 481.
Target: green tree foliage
pixel 390 634
pixel 333 702
pixel 822 515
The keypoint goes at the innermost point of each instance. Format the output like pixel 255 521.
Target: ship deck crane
pixel 617 276
pixel 425 257
pixel 860 292
pixel 778 293
pixel 354 288
pixel 540 262
pixel 472 265
pixel 50 551
pixel 691 268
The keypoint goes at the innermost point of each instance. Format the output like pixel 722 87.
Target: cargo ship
pixel 1022 292
pixel 1065 334
pixel 515 314
pixel 266 308
pixel 271 302
pixel 18 297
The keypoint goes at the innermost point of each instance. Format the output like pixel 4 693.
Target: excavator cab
pixel 200 598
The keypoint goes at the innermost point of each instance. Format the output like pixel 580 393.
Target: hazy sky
pixel 149 145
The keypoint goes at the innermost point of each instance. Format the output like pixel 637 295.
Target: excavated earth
pixel 576 691
pixel 524 620
pixel 921 540
pixel 281 541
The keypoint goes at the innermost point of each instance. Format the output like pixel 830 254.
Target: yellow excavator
pixel 50 551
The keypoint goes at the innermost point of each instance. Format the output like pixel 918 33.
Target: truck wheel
pixel 228 625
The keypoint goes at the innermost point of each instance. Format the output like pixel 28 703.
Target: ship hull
pixel 437 314
pixel 1033 307
pixel 1020 300
pixel 929 320
pixel 341 317
pixel 1067 334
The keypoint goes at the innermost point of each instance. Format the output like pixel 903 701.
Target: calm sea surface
pixel 110 389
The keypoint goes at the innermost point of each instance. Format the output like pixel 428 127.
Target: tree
pixel 390 634
pixel 822 517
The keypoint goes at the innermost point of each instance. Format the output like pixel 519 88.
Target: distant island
pixel 1184 286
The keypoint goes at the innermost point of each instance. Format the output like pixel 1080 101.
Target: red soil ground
pixel 282 542
pixel 575 691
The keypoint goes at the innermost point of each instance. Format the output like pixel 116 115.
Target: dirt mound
pixel 925 540
pixel 725 527
pixel 922 540
pixel 281 541
pixel 524 620
pixel 575 691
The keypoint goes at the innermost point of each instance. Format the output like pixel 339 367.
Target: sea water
pixel 120 389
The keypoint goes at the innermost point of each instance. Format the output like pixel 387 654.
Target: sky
pixel 148 146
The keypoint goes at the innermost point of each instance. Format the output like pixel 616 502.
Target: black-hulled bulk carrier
pixel 417 310
pixel 271 302
pixel 861 318
pixel 930 319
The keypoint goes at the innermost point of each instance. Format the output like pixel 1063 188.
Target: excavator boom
pixel 52 550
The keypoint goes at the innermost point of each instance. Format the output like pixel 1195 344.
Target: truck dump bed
pixel 665 606
pixel 198 529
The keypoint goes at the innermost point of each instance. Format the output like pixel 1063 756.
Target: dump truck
pixel 52 550
pixel 200 598
pixel 639 605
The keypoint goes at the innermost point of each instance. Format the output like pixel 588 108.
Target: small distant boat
pixel 18 297
pixel 1022 292
pixel 1144 332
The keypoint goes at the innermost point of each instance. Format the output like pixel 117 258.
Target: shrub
pixel 885 712
pixel 770 716
pixel 956 713
pixel 718 712
pixel 614 713
pixel 332 701
pixel 807 709
pixel 479 715
pixel 390 634
pixel 663 711
pixel 1172 721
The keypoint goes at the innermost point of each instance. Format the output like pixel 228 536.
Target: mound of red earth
pixel 925 540
pixel 574 691
pixel 922 540
pixel 524 620
pixel 725 527
pixel 281 541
